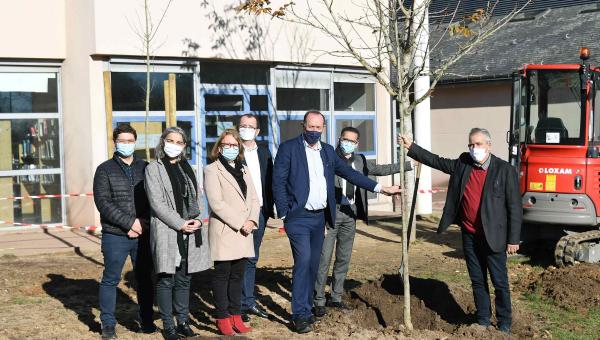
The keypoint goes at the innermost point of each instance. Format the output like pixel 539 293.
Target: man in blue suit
pixel 304 195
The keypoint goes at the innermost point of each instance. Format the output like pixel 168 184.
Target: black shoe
pixel 338 305
pixel 185 330
pixel 258 311
pixel 301 326
pixel 245 317
pixel 312 319
pixel 504 329
pixel 148 327
pixel 170 334
pixel 108 333
pixel 320 311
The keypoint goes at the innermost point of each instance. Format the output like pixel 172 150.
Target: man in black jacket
pixel 351 204
pixel 260 163
pixel 484 200
pixel 121 199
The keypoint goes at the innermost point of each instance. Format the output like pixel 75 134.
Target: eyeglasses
pixel 349 141
pixel 229 146
pixel 125 141
pixel 180 143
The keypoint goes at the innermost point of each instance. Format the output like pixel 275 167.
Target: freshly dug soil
pixel 379 305
pixel 575 287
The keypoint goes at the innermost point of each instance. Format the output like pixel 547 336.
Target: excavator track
pixel 565 253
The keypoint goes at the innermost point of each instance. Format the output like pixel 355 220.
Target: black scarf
pixel 349 186
pixel 237 172
pixel 176 172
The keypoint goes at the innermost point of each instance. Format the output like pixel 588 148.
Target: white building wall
pixel 33 29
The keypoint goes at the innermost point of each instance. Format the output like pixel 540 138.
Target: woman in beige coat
pixel 234 216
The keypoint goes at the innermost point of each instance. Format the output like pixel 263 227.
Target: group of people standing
pixel 151 213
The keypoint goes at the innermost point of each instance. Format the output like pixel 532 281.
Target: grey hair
pixel 159 151
pixel 485 132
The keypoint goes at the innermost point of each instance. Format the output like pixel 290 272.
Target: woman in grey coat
pixel 178 241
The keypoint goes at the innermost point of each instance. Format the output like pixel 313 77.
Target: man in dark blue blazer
pixel 304 194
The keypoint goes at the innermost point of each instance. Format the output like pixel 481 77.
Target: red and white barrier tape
pixel 45 196
pixel 17 226
pixel 431 191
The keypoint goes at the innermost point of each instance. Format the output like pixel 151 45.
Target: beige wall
pixel 189 21
pixel 83 112
pixel 32 29
pixel 455 109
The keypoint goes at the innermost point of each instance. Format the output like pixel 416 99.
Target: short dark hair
pixel 313 112
pixel 123 128
pixel 350 129
pixel 249 115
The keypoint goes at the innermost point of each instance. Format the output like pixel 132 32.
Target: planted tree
pixel 394 41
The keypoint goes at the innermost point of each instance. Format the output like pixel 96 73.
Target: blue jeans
pixel 481 259
pixel 306 232
pixel 248 299
pixel 116 249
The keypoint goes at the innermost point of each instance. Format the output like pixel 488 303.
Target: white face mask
pixel 173 150
pixel 478 154
pixel 247 133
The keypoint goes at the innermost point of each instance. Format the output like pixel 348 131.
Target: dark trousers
pixel 173 295
pixel 341 237
pixel 481 259
pixel 306 233
pixel 227 282
pixel 248 299
pixel 115 250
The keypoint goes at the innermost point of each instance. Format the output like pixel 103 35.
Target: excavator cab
pixel 553 144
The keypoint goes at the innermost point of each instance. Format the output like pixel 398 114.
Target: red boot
pixel 224 326
pixel 238 324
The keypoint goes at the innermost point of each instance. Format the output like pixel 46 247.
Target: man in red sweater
pixel 484 200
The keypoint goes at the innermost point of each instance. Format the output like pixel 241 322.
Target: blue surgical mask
pixel 312 137
pixel 230 154
pixel 125 149
pixel 347 147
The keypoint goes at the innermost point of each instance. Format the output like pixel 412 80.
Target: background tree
pixel 146 32
pixel 393 40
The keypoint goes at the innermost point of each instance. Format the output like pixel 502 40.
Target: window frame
pixel 18 67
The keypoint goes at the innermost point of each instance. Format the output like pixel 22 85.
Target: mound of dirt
pixel 379 305
pixel 575 287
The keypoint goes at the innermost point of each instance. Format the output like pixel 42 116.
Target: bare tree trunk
pixel 405 128
pixel 147 35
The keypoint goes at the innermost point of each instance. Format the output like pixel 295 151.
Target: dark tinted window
pixel 259 103
pixel 234 73
pixel 223 102
pixel 354 97
pixel 128 91
pixel 302 99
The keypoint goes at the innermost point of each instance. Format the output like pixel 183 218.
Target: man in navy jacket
pixel 304 194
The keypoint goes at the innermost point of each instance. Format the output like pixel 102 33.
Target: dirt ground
pixel 55 296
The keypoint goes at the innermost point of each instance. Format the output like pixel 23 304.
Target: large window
pixel 354 98
pixel 128 84
pixel 129 91
pixel 30 146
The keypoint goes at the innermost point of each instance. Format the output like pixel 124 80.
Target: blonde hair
pixel 214 153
